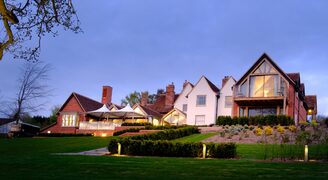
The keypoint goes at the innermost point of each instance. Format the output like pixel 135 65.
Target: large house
pixel 266 89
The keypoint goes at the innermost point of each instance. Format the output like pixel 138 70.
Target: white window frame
pixel 225 102
pixel 184 107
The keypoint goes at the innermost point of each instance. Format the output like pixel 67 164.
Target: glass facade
pixel 262 111
pixel 263 86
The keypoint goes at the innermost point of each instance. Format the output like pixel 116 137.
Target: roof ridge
pixel 86 97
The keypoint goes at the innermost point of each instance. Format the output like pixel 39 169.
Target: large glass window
pixel 243 89
pixel 201 100
pixel 262 111
pixel 263 86
pixel 265 68
pixel 69 120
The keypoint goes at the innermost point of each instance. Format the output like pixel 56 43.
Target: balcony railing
pixel 100 125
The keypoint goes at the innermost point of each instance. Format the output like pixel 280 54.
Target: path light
pixel 204 151
pixel 306 153
pixel 119 148
pixel 103 135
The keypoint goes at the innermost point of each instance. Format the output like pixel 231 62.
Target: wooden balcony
pixel 259 101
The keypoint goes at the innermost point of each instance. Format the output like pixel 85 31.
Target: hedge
pixel 167 134
pixel 136 124
pixel 117 133
pixel 63 135
pixel 269 120
pixel 171 149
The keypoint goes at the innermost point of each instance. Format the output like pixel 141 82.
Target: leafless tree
pixel 32 90
pixel 25 22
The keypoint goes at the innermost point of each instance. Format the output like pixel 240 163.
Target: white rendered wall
pixel 182 99
pixel 209 110
pixel 225 91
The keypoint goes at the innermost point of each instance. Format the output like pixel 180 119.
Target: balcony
pixel 99 125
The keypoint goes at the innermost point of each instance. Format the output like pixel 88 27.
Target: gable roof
pixel 159 105
pixel 296 77
pixel 215 89
pixel 212 86
pixel 174 109
pixel 149 111
pixel 311 101
pixel 6 121
pixel 184 88
pixel 85 103
pixel 265 56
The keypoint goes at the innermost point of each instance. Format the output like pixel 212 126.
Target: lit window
pixel 69 120
pixel 184 107
pixel 228 102
pixel 263 86
pixel 201 100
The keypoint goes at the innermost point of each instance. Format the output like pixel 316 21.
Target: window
pixel 184 107
pixel 228 102
pixel 69 120
pixel 199 119
pixel 265 68
pixel 263 86
pixel 243 89
pixel 262 111
pixel 242 112
pixel 201 100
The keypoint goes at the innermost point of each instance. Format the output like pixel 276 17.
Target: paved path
pixel 95 152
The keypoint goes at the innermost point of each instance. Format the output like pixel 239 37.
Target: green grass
pixel 28 158
pixel 195 137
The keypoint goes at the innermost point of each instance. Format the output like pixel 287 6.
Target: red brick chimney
pixel 169 96
pixel 144 98
pixel 225 80
pixel 107 95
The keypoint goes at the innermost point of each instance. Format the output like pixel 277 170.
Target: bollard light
pixel 204 151
pixel 119 148
pixel 306 153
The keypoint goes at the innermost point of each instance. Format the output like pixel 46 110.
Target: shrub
pixel 258 132
pixel 136 124
pixel 117 133
pixel 171 149
pixel 268 131
pixel 64 135
pixel 222 134
pixel 167 134
pixel 151 127
pixel 304 138
pixel 292 128
pixel 280 129
pixel 269 120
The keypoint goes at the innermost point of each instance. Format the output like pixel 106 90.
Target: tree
pixel 54 111
pixel 32 89
pixel 153 97
pixel 132 99
pixel 27 21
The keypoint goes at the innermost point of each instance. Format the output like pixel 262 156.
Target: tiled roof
pixel 159 105
pixel 87 103
pixel 5 121
pixel 294 76
pixel 150 111
pixel 311 101
pixel 212 86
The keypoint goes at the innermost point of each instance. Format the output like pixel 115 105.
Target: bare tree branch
pixel 30 20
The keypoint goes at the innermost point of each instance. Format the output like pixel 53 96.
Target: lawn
pixel 29 158
pixel 195 137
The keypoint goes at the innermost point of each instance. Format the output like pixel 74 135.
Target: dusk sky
pixel 146 44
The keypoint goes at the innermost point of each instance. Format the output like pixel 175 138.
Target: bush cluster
pixel 168 134
pixel 136 124
pixel 151 127
pixel 63 135
pixel 171 149
pixel 269 120
pixel 117 133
